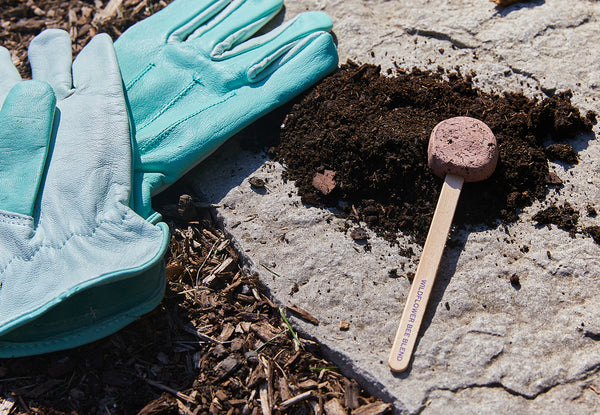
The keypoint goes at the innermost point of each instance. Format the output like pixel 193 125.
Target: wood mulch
pixel 215 345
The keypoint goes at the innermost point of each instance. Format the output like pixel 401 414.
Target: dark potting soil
pixel 358 142
pixel 565 217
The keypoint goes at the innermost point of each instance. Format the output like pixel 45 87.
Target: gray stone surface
pixel 485 346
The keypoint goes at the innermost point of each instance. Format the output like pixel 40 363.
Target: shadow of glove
pixel 195 76
pixel 76 262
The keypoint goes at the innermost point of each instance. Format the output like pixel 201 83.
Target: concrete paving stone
pixel 493 348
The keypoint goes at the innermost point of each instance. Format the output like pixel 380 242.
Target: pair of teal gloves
pixel 85 144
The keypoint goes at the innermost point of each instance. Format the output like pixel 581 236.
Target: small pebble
pixel 358 234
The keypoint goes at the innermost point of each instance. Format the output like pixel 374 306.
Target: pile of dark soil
pixel 366 135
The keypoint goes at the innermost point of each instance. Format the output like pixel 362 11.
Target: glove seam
pixel 135 80
pixel 154 142
pixel 99 328
pixel 195 81
pixel 62 244
pixel 18 220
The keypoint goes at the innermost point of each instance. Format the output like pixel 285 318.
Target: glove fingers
pixel 9 75
pixel 301 67
pixel 96 68
pixel 99 90
pixel 185 16
pixel 234 24
pixel 25 130
pixel 261 52
pixel 50 57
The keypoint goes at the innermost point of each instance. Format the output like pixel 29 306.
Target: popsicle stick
pixel 414 310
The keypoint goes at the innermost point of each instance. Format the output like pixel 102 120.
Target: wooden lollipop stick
pixel 414 310
pixel 460 149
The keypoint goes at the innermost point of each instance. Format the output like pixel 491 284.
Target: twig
pixel 204 262
pixel 202 335
pixel 318 369
pixel 270 270
pixel 298 398
pixel 178 394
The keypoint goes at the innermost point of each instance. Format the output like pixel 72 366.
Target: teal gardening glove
pixel 195 76
pixel 76 263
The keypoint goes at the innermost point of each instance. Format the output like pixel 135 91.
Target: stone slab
pixel 485 347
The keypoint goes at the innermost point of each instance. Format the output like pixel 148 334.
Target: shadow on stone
pixel 506 10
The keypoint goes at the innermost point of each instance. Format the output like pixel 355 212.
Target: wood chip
pixel 7 404
pixel 227 332
pixel 28 24
pixel 268 365
pixel 334 407
pixel 210 235
pixel 303 314
pixel 351 393
pixel 284 389
pixel 265 331
pixel 324 182
pixel 163 404
pixel 308 384
pixel 108 12
pixel 228 265
pixel 227 366
pixel 375 408
pixel 344 325
pixel 553 179
pixel 257 376
pixel 201 335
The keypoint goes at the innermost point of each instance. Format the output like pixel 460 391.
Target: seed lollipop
pixel 461 149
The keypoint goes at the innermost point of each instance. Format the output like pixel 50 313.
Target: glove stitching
pixel 140 76
pixel 169 104
pixel 62 245
pixel 155 141
pixel 15 220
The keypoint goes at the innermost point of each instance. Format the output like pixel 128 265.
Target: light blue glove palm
pixel 195 76
pixel 76 262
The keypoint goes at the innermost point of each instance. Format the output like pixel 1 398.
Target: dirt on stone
pixel 564 217
pixel 372 131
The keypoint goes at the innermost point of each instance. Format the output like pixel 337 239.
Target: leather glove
pixel 195 76
pixel 76 262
